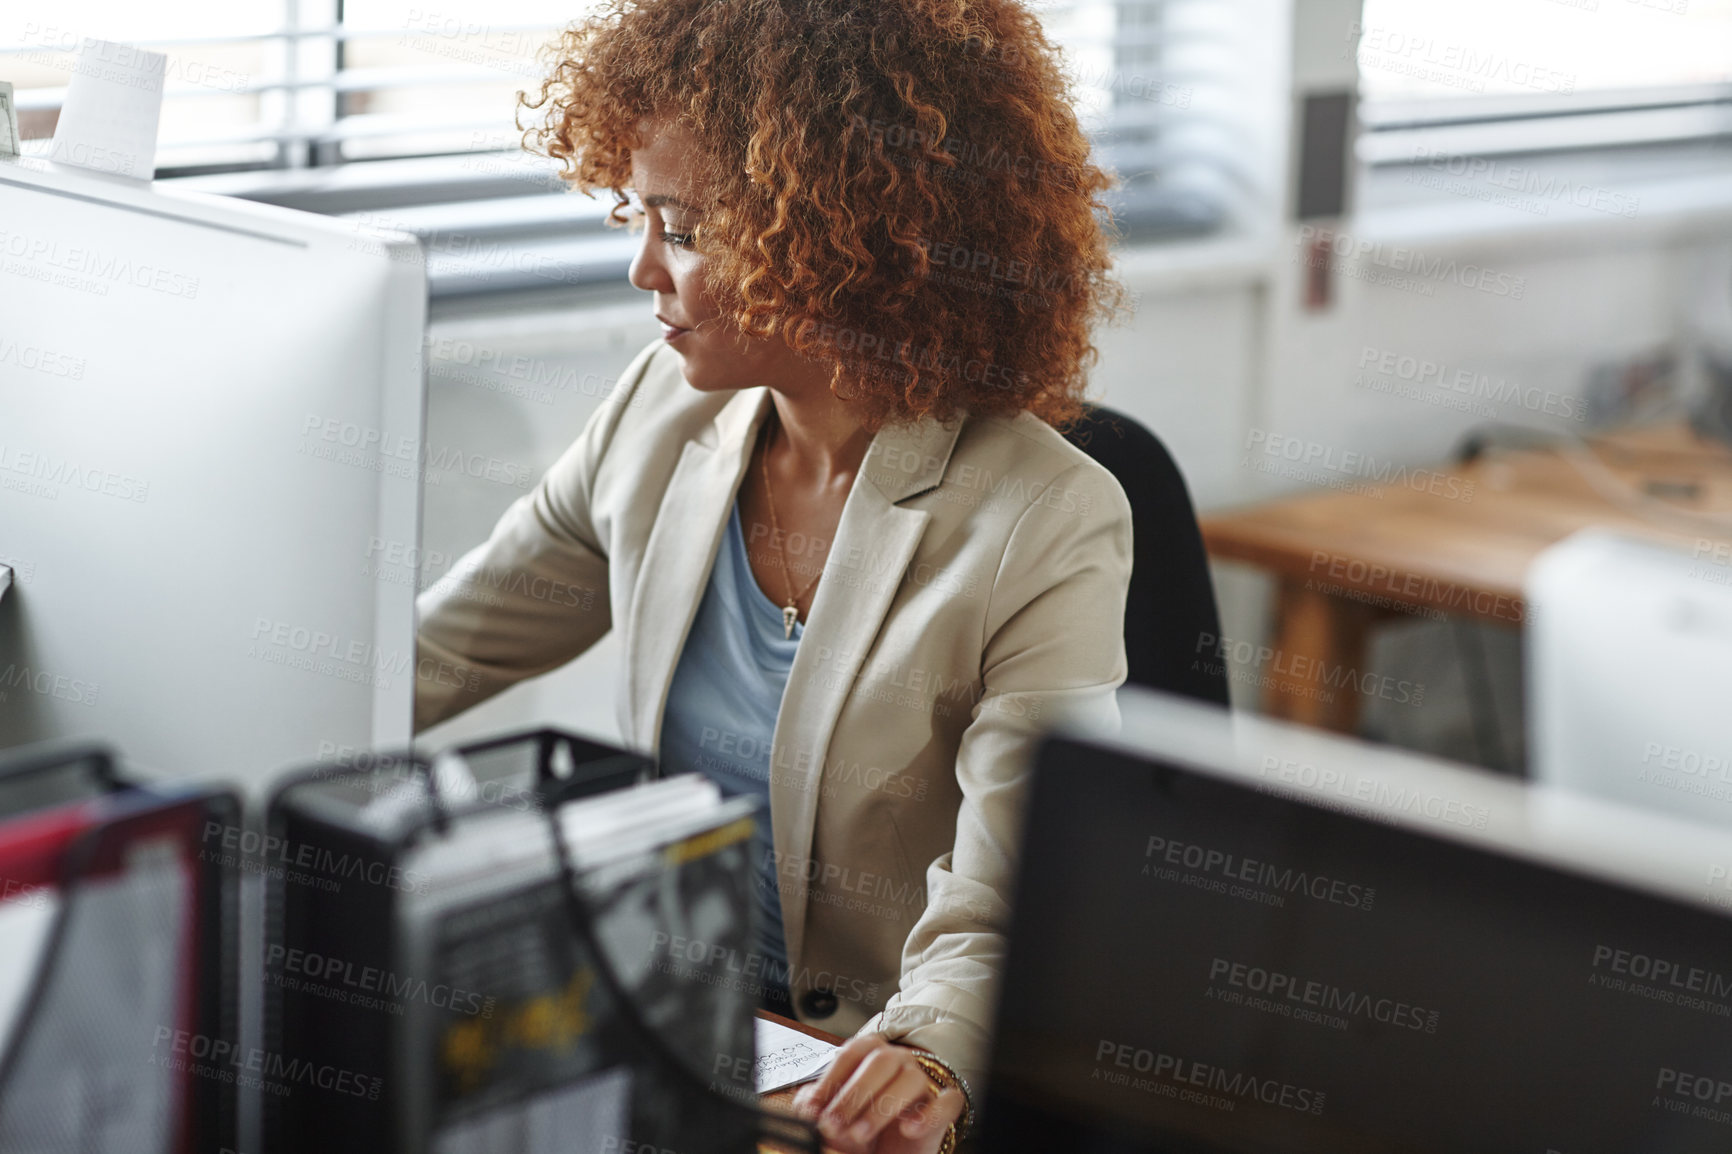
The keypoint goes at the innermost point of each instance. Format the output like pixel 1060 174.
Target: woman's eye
pixel 637 216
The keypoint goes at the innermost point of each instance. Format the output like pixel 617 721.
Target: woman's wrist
pixel 945 1077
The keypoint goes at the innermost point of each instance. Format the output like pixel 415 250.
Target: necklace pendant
pixel 789 613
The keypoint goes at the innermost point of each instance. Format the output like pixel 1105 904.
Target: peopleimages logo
pixel 41 360
pixel 120 62
pixel 1235 868
pixel 1680 759
pixel 1380 794
pixel 1300 667
pixel 1369 577
pixel 1543 188
pixel 331 976
pixel 353 659
pixel 234 845
pixel 24 894
pixel 1320 460
pixel 1663 972
pixel 809 873
pixel 46 683
pixel 1411 261
pixel 46 473
pixel 1702 1087
pixel 1696 1095
pixel 1471 384
pixel 1457 64
pixel 714 958
pixel 383 451
pixel 1233 1087
pixel 217 1058
pixel 88 268
pixel 1320 996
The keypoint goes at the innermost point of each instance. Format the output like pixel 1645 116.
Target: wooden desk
pixel 1345 560
pixel 783 1099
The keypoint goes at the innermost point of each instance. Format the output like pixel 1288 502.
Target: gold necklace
pixel 790 611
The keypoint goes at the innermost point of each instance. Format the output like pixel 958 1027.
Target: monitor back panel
pixel 210 437
pixel 1202 964
pixel 1629 673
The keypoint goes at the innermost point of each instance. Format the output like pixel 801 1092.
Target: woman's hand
pixel 875 1099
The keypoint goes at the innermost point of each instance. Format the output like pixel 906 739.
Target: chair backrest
pixel 1171 622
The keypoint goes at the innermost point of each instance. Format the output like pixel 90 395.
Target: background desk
pixel 1344 560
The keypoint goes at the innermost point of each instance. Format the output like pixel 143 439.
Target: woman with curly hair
pixel 871 240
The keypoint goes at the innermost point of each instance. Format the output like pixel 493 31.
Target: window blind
pixel 402 114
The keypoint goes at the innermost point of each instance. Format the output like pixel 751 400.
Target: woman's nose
pixel 647 271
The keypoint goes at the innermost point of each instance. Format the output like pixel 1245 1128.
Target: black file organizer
pixel 53 773
pixel 49 1043
pixel 545 768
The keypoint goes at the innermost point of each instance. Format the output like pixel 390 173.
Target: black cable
pixel 793 1131
pixel 790 1131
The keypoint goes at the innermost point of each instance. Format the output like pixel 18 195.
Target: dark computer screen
pixel 1199 965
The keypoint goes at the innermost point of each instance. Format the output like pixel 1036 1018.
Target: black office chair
pixel 1170 616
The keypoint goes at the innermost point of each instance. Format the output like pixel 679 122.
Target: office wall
pixel 517 388
pixel 1590 301
pixel 1217 351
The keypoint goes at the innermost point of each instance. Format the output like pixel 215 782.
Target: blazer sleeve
pixel 1055 650
pixel 535 594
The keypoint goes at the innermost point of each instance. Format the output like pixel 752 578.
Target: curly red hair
pixel 901 187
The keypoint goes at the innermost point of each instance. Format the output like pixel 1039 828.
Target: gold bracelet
pixel 946 1079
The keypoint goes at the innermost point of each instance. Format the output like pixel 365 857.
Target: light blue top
pixel 722 706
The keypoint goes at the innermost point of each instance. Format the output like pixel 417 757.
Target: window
pixel 403 110
pixel 1165 89
pixel 297 83
pixel 1486 77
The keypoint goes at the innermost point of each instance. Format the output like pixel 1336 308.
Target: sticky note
pixel 113 105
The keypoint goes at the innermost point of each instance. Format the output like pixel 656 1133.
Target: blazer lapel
pixel 679 554
pixel 875 541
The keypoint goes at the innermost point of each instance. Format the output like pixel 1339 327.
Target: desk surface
pixel 1463 553
pixel 1452 540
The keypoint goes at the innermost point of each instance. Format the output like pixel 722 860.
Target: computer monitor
pixel 1236 936
pixel 211 454
pixel 1629 671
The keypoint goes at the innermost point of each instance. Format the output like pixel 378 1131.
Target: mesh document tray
pixel 529 958
pixel 124 1029
pixel 35 777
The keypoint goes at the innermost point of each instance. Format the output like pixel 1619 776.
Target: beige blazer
pixel 974 593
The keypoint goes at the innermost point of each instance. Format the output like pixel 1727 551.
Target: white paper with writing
pixel 787 1056
pixel 113 104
